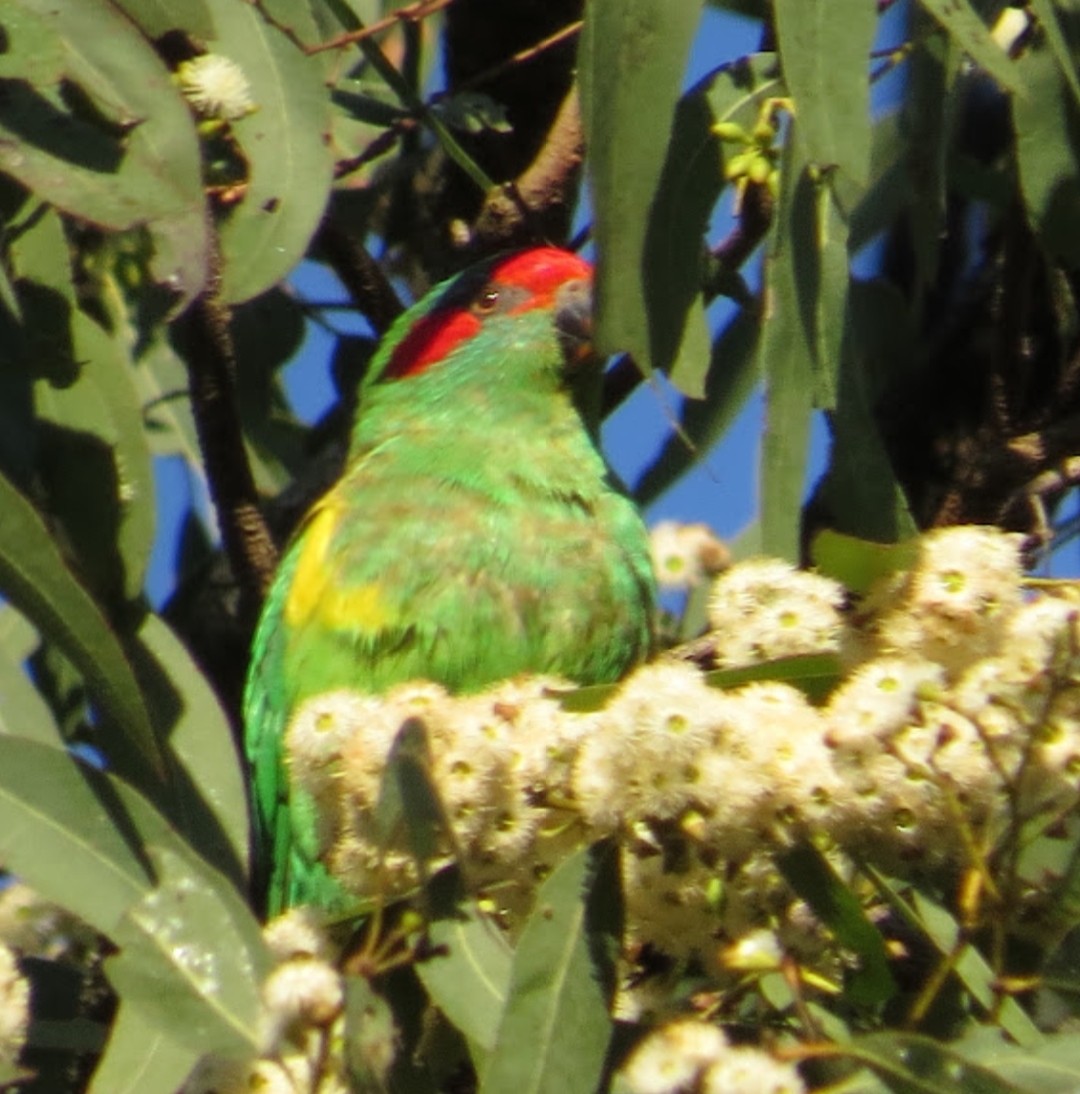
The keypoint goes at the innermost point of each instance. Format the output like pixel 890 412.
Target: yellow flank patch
pixel 361 609
pixel 317 591
pixel 310 577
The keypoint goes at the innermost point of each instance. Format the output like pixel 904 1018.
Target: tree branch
pixel 211 363
pixel 361 275
pixel 529 207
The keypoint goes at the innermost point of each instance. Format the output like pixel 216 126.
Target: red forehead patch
pixel 540 271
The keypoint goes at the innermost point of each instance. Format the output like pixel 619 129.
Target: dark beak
pixel 573 320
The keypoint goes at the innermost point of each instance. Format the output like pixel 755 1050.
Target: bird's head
pixel 507 312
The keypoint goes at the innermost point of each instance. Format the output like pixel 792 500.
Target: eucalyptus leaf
pixel 971 34
pixel 34 577
pixel 824 53
pixel 556 1026
pixel 630 63
pixel 65 833
pixel 788 365
pixel 132 159
pixel 140 1059
pixel 184 965
pixel 288 159
pixel 468 974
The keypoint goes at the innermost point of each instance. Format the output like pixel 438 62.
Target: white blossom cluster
pixel 303 1007
pixel 693 1057
pixel 14 1006
pixel 216 87
pixel 958 697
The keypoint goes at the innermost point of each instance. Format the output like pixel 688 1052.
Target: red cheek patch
pixel 429 342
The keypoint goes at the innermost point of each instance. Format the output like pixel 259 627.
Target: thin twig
pixel 413 13
pixel 523 55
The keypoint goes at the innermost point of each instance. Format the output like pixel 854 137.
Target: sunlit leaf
pixel 858 563
pixel 630 63
pixel 787 362
pixel 824 53
pixel 136 163
pixel 468 975
pixel 95 465
pixel 213 801
pixel 62 830
pixel 689 186
pixel 184 964
pixel 283 141
pixel 556 1026
pixel 23 710
pixel 814 674
pixel 140 1059
pixel 156 17
pixel 1051 1066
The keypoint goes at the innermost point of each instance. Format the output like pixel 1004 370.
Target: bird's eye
pixel 487 301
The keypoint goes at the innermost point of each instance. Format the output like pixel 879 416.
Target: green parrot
pixel 475 534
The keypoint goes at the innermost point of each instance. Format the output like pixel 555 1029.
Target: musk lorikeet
pixel 476 532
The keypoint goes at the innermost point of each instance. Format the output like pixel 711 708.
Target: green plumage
pixel 475 534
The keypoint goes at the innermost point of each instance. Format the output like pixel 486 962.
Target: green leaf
pixel 140 1059
pixel 34 578
pixel 95 465
pixel 1050 25
pixel 283 141
pixel 132 159
pixel 807 872
pixel 186 963
pixel 155 17
pixel 689 186
pixel 371 1036
pixel 212 796
pixel 64 832
pixel 556 1026
pixel 1046 123
pixel 1052 1067
pixel 824 51
pixel 45 297
pixel 964 24
pixel 858 563
pixel 928 115
pixel 23 711
pixel 912 1064
pixel 814 674
pixel 819 243
pixel 969 966
pixel 468 976
pixel 32 49
pixel 860 494
pixel 630 63
pixel 789 370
